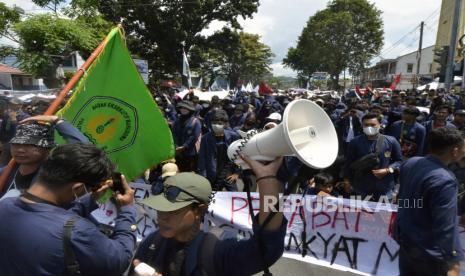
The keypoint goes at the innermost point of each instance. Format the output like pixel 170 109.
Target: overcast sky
pixel 280 22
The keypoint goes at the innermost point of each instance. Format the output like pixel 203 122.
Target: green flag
pixel 114 109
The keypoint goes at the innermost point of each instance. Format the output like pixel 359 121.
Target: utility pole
pixel 453 44
pixel 420 46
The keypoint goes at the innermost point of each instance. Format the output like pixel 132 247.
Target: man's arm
pixel 66 130
pixel 192 139
pixel 202 161
pixel 71 134
pixel 396 155
pixel 266 246
pixel 443 206
pixel 100 255
pixel 420 139
pixel 269 188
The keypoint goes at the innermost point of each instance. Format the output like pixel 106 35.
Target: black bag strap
pixel 379 144
pixel 207 250
pixel 72 266
pixel 266 270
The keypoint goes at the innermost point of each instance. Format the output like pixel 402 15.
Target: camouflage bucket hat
pixel 39 135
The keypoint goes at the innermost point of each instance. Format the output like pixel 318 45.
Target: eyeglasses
pixel 172 192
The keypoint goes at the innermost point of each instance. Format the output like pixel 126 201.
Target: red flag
pixel 358 91
pixel 264 89
pixel 395 82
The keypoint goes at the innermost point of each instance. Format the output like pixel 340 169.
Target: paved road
pixel 290 267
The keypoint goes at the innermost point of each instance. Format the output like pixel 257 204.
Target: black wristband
pixel 265 177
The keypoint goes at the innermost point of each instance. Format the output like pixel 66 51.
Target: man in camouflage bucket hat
pixel 40 135
pixel 179 247
pixel 31 144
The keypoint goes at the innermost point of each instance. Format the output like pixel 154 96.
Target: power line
pixel 399 42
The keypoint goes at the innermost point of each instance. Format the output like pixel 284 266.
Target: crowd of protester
pixel 383 136
pixel 203 130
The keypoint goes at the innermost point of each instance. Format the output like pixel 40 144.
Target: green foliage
pixel 45 40
pixel 157 29
pixel 347 34
pixel 235 55
pixel 9 17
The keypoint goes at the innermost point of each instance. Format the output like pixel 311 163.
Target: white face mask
pixel 370 131
pixel 218 129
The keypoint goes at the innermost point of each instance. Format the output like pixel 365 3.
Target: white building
pixel 73 62
pixel 384 72
pixel 407 66
pixel 13 79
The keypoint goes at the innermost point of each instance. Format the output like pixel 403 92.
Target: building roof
pixel 5 69
pixel 414 52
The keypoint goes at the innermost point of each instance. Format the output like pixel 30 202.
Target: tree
pixel 346 35
pixel 157 29
pixel 235 55
pixel 46 40
pixel 8 17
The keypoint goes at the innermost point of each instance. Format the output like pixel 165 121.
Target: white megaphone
pixel 305 132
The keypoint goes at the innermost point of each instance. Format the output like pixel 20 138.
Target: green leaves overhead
pixel 234 55
pixel 346 35
pixel 46 40
pixel 157 29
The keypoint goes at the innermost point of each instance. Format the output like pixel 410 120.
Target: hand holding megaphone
pixel 305 132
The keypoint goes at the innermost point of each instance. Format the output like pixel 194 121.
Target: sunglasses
pixel 172 192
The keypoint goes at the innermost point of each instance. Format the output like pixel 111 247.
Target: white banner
pixel 343 234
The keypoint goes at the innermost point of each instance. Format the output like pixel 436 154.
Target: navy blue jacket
pixel 416 133
pixel 390 156
pixel 186 134
pixel 208 155
pixel 235 121
pixel 432 225
pixel 209 116
pixel 230 257
pixel 428 127
pixel 344 126
pixel 32 239
pixel 170 113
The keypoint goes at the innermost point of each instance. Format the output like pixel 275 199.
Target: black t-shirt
pixel 175 261
pixel 223 165
pixel 24 181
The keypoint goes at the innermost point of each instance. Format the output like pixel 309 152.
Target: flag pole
pixel 57 102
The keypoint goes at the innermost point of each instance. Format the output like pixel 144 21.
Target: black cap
pixel 187 105
pixel 220 115
pixel 411 110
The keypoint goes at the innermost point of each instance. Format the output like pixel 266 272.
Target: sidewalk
pixel 290 267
